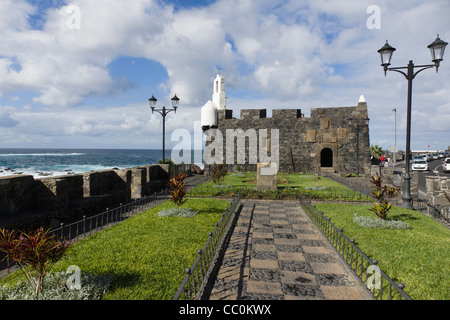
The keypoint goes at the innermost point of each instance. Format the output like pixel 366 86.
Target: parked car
pixel 446 165
pixel 419 165
pixel 435 156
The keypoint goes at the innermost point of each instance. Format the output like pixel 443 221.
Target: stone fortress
pixel 331 140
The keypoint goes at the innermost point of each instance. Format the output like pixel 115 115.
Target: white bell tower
pixel 209 110
pixel 219 96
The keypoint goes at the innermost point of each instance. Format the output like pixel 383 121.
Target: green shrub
pixel 166 161
pixel 177 212
pixel 371 222
pixel 218 173
pixel 92 287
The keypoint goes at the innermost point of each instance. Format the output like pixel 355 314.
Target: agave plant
pixel 35 252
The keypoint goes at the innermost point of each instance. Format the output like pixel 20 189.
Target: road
pixel 434 169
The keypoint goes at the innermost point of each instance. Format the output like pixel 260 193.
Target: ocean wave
pixel 39 154
pixel 56 170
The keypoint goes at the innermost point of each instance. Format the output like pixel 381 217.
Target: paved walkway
pixel 276 252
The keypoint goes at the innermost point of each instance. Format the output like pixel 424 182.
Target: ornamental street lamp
pixel 437 53
pixel 164 111
pixel 395 137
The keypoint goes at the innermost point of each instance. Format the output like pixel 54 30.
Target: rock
pixel 195 168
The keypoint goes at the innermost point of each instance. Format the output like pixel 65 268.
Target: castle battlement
pixel 357 112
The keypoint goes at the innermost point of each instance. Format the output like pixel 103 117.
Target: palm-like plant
pixel 178 189
pixel 376 151
pixel 35 252
pixel 381 193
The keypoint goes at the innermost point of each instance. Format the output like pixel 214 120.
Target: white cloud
pixel 287 53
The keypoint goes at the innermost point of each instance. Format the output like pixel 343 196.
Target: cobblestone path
pixel 276 252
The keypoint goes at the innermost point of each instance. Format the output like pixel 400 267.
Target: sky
pixel 78 74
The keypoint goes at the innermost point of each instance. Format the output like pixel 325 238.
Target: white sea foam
pixel 56 172
pixel 40 154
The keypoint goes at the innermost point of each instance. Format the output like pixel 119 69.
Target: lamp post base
pixel 406 193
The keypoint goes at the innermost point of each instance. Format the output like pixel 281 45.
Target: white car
pixel 446 165
pixel 419 165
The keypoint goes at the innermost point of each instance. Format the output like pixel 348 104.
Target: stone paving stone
pixel 327 268
pixel 264 247
pixel 308 236
pixel 284 257
pixel 291 256
pixel 264 287
pixel 316 250
pixel 298 277
pixel 279 222
pixel 341 293
pixel 264 235
pixel 263 264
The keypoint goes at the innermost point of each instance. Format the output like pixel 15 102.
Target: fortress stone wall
pixel 333 140
pixel 26 200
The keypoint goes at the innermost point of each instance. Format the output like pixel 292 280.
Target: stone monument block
pixel 266 176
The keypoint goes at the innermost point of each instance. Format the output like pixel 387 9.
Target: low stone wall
pixel 438 192
pixel 26 201
pixel 389 178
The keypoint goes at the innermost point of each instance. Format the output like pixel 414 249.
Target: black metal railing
pixel 87 226
pixel 197 275
pixel 379 284
pixel 434 211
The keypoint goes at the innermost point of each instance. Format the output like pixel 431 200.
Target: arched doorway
pixel 326 158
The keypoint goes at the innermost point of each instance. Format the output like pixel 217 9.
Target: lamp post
pixel 437 52
pixel 395 137
pixel 164 111
pixel 351 122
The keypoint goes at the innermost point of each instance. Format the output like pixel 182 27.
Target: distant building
pixel 331 140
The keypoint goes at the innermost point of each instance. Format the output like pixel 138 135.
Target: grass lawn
pixel 147 254
pixel 419 257
pixel 290 186
pixel 299 180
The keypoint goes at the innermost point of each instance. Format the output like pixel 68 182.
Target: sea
pixel 42 163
